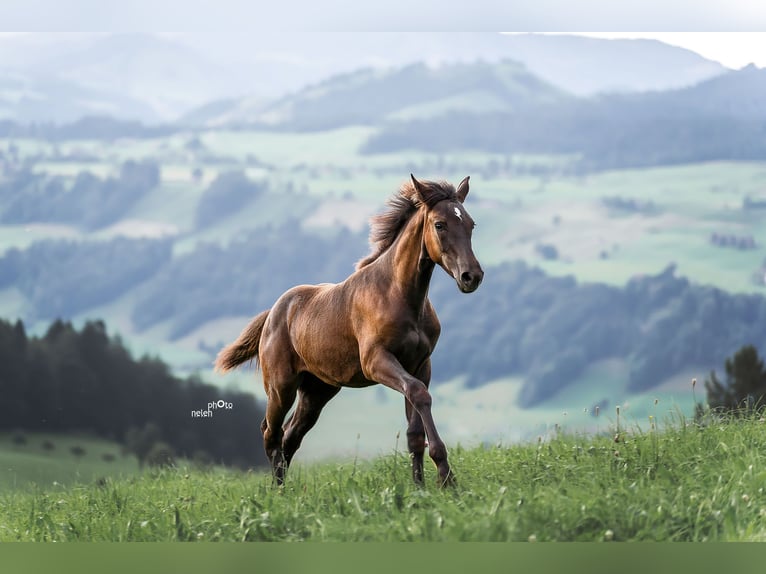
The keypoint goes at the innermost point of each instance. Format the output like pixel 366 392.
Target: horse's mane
pixel 386 227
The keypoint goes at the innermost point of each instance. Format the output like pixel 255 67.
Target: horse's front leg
pixel 416 434
pixel 379 365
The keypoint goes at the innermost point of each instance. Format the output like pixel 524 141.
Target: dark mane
pixel 386 227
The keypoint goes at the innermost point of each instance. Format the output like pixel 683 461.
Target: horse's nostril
pixel 466 278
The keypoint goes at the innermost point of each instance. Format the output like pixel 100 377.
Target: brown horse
pixel 376 327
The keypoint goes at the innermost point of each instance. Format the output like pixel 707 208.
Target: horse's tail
pixel 244 348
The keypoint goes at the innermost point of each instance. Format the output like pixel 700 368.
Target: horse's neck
pixel 411 266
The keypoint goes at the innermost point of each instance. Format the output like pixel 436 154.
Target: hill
pixel 153 77
pixel 714 120
pixel 27 98
pixel 63 77
pixel 573 64
pixel 732 94
pixel 373 95
pixel 589 66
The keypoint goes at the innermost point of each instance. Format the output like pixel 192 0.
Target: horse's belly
pixel 358 381
pixel 335 361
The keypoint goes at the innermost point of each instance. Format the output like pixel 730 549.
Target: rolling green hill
pixel 28 98
pixel 718 119
pixel 371 96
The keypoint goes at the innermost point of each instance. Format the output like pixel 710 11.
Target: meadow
pixel 46 459
pixel 679 481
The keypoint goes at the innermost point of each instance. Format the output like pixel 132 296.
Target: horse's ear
pixel 423 192
pixel 462 189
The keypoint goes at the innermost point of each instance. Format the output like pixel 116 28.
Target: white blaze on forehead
pixel 458 213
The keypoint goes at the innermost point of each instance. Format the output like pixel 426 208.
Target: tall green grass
pixel 687 482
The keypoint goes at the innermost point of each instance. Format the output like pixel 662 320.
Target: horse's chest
pixel 412 347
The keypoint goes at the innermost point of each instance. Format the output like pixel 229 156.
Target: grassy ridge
pixel 687 482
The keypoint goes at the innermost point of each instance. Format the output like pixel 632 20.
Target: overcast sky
pixel 391 15
pixel 740 38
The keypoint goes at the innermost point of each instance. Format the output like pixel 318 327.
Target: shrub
pixel 19 438
pixel 160 455
pixel 77 451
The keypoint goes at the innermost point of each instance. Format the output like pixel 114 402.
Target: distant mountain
pixel 587 66
pixel 280 62
pixel 29 99
pixel 169 77
pixel 737 94
pixel 161 77
pixel 128 76
pixel 719 119
pixel 417 91
pixel 231 111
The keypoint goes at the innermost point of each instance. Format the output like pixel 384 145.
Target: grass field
pixel 30 465
pixel 685 483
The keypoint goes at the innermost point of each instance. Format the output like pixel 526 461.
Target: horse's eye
pixel 439 226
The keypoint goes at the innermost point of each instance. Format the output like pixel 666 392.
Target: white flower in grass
pixel 609 535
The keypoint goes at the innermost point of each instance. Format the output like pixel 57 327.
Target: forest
pixel 603 137
pixel 84 381
pixel 90 202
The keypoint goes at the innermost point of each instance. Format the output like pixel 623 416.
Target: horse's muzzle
pixel 469 281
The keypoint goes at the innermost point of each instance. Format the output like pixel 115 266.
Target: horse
pixel 375 327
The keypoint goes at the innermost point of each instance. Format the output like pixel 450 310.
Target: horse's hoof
pixel 449 481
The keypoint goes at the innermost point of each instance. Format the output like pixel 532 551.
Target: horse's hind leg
pixel 281 392
pixel 416 434
pixel 313 395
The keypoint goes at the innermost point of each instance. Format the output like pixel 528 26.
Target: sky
pixel 732 49
pixel 392 15
pixel 732 32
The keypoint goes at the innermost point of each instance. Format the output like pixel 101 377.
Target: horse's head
pixel 447 235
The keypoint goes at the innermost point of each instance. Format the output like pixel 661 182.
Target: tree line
pixel 85 128
pixel 72 380
pixel 550 329
pixel 602 138
pixel 60 278
pixel 244 277
pixel 89 202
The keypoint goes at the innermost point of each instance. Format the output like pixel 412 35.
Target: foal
pixel 376 327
